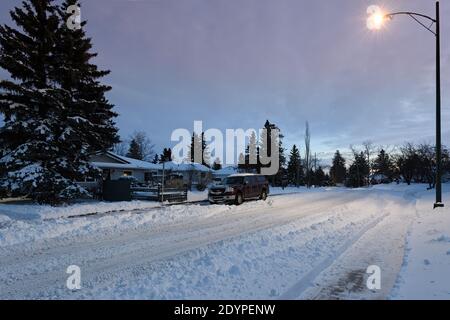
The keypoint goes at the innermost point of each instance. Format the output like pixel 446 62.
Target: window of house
pixel 128 173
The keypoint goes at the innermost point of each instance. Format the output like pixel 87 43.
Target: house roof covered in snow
pixel 226 171
pixel 121 162
pixel 112 160
pixel 186 166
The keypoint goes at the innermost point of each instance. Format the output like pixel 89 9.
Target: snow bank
pixel 34 211
pixel 149 215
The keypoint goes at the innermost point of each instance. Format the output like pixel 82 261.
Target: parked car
pixel 239 188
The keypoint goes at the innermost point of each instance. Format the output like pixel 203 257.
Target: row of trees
pixel 409 163
pixel 367 165
pixel 140 147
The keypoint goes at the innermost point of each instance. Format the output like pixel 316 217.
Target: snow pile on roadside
pixel 34 211
pixel 28 231
pixel 424 273
pixel 4 221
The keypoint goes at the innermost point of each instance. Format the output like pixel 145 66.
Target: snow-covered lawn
pixel 31 211
pixel 299 244
pixel 28 211
pixel 426 267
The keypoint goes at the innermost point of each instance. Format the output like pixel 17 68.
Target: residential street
pixel 314 244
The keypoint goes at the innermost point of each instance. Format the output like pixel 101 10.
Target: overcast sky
pixel 236 63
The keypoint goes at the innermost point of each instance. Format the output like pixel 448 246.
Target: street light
pixel 377 18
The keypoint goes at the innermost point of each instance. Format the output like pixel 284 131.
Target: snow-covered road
pixel 314 244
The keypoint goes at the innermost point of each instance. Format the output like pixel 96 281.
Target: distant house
pixel 114 166
pixel 192 173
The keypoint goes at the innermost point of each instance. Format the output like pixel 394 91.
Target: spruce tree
pixel 134 151
pixel 56 113
pixel 251 154
pixel 35 159
pixel 206 157
pixel 319 177
pixel 338 170
pixel 198 151
pixel 383 165
pixel 294 167
pixel 265 149
pixel 166 156
pixel 358 171
pixel 87 110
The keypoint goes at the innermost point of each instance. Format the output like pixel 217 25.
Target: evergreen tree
pixel 144 146
pixel 87 111
pixel 319 177
pixel 265 149
pixel 55 111
pixel 338 170
pixel 358 171
pixel 195 151
pixel 294 168
pixel 28 149
pixel 134 151
pixel 36 150
pixel 166 156
pixel 251 155
pixel 198 151
pixel 383 165
pixel 206 158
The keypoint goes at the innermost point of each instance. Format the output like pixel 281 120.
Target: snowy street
pixel 316 244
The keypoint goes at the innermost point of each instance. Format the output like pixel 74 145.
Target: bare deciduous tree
pixel 369 149
pixel 120 148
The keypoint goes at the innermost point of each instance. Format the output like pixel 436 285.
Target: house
pixel 225 172
pixel 192 173
pixel 114 166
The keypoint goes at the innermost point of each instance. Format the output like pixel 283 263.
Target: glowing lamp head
pixel 376 18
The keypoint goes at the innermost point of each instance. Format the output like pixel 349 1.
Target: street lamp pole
pixel 416 17
pixel 438 202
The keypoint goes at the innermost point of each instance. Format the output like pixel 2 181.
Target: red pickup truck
pixel 238 188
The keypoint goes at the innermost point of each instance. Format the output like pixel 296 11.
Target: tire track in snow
pixel 307 281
